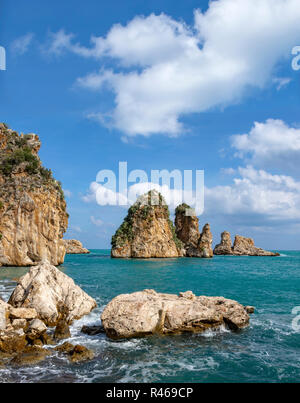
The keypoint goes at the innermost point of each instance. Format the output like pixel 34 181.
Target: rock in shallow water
pixel 148 312
pixel 49 292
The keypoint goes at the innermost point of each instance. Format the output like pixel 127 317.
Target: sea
pixel 266 351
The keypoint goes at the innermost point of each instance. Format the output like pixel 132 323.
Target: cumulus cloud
pixel 103 196
pixel 97 221
pixel 272 144
pixel 21 45
pixel 256 193
pixel 167 69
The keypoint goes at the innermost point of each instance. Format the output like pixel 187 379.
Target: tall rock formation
pixel 195 243
pixel 241 247
pixel 147 231
pixel 225 247
pixel 33 215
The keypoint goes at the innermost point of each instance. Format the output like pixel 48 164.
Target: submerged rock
pixel 147 231
pixel 242 247
pixel 196 244
pixel 51 292
pixel 92 330
pixel 74 247
pixel 33 216
pixel 148 312
pixel 31 355
pixel 62 331
pixel 76 353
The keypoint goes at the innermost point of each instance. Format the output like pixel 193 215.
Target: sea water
pixel 266 351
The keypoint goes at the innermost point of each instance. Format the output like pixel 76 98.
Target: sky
pixel 185 85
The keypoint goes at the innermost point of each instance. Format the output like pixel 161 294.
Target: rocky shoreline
pixel 34 323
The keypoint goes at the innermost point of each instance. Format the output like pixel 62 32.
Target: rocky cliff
pixel 196 244
pixel 33 215
pixel 241 247
pixel 147 231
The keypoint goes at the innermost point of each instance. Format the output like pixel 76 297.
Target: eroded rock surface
pixel 148 312
pixel 33 216
pixel 242 247
pixel 74 247
pixel 52 294
pixel 147 231
pixel 196 244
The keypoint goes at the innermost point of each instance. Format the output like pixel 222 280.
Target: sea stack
pixel 147 231
pixel 33 216
pixel 196 244
pixel 74 247
pixel 242 246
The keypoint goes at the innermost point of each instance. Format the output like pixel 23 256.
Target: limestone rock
pixel 22 313
pixel 196 244
pixel 242 247
pixel 147 312
pixel 31 355
pixel 92 330
pixel 147 231
pixel 187 227
pixel 33 215
pixel 12 341
pixel 225 247
pixel 74 247
pixel 205 243
pixel 245 246
pixel 36 329
pixel 52 294
pixel 62 331
pixel 4 315
pixel 76 353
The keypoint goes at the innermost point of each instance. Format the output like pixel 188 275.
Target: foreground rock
pixel 74 247
pixel 52 294
pixel 242 247
pixel 148 312
pixel 187 231
pixel 147 231
pixel 33 216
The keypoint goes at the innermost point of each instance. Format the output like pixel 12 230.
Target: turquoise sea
pixel 267 351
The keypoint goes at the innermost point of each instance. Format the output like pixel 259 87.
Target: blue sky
pixel 167 88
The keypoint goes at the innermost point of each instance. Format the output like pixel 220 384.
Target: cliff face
pixel 195 243
pixel 241 247
pixel 147 231
pixel 33 215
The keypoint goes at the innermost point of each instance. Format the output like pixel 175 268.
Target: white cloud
pixel 256 193
pixel 96 221
pixel 272 144
pixel 169 69
pixel 281 82
pixel 21 45
pixel 67 193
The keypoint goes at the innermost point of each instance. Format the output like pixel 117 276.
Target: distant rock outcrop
pixel 52 294
pixel 33 216
pixel 74 247
pixel 225 247
pixel 242 247
pixel 147 231
pixel 148 312
pixel 196 244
